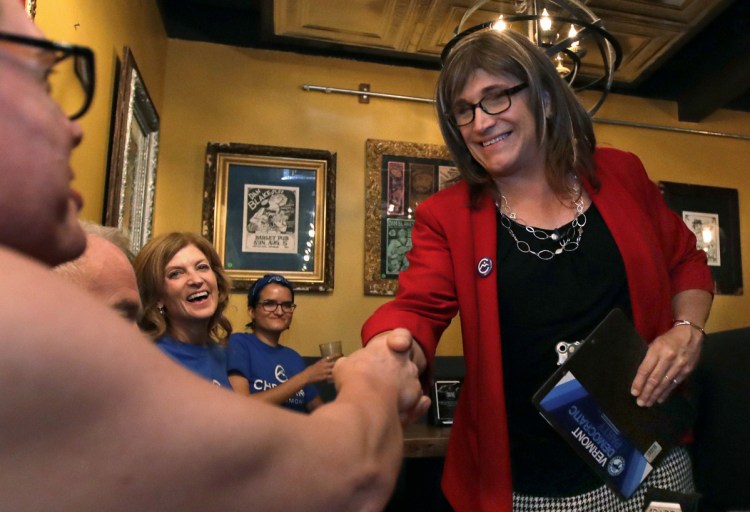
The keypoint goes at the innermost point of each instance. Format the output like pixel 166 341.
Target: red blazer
pixel 448 242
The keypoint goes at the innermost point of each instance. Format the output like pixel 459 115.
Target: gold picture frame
pixel 271 209
pixel 400 175
pixel 30 6
pixel 134 153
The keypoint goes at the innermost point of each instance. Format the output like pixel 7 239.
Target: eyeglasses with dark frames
pixel 70 64
pixel 493 103
pixel 269 306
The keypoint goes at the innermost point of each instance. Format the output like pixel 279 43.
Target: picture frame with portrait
pixel 270 209
pixel 712 213
pixel 400 175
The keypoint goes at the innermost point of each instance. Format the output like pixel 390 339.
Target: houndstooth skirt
pixel 674 473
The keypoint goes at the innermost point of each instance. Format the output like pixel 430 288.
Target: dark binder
pixel 588 402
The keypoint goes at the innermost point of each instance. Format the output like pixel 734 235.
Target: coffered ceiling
pixel 695 52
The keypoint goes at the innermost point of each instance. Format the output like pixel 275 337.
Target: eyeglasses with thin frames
pixel 493 103
pixel 269 306
pixel 70 64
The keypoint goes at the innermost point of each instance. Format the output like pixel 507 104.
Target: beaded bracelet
pixel 691 324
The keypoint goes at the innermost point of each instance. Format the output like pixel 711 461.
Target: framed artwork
pixel 400 175
pixel 30 6
pixel 271 209
pixel 713 214
pixel 133 158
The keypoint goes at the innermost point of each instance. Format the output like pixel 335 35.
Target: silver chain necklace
pixel 568 241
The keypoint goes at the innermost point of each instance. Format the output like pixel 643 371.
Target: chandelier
pixel 566 30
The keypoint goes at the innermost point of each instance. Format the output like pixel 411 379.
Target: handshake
pixel 389 365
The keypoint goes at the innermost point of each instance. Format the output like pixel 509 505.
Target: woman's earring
pixel 162 310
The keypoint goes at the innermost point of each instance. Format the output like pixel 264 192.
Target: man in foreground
pixel 92 417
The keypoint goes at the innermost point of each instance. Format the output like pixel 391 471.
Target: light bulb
pixel 500 24
pixel 573 33
pixel 545 22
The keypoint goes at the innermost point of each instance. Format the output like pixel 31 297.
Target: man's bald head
pixel 105 271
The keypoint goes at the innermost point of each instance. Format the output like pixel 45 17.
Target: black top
pixel 542 303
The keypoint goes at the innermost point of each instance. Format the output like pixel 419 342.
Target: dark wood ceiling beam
pixel 720 62
pixel 718 87
pixel 709 72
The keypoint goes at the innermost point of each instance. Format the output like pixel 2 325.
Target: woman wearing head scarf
pixel 263 368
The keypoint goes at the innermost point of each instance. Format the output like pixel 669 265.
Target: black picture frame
pixel 714 211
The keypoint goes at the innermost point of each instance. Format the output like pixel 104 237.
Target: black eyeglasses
pixel 70 75
pixel 493 103
pixel 270 306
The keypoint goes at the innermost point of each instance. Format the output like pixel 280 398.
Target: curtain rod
pixel 693 131
pixel 601 120
pixel 366 93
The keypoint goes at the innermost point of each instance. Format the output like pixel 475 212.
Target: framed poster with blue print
pixel 271 209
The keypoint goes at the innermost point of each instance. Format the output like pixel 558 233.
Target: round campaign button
pixel 484 267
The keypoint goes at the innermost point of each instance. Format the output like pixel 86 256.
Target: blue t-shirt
pixel 266 367
pixel 208 361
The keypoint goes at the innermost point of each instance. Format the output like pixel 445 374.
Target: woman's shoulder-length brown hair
pixel 564 129
pixel 150 265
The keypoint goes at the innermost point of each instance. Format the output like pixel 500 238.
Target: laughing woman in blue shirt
pixel 185 291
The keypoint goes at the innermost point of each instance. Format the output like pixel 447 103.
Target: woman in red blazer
pixel 543 236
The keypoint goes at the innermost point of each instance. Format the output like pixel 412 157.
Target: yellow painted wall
pixel 222 94
pixel 106 27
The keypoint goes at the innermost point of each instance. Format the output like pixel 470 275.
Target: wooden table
pixel 423 440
